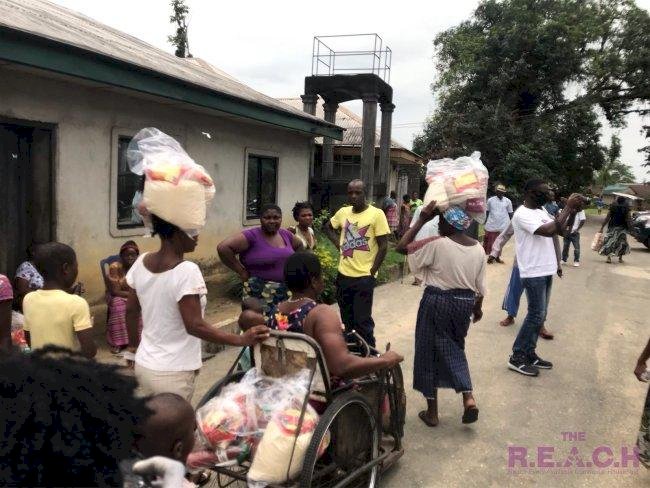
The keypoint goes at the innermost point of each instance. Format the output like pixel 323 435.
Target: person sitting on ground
pixel 303 213
pixel 52 315
pixel 453 270
pixel 117 334
pixel 66 421
pixel 27 278
pixel 6 298
pixel 302 314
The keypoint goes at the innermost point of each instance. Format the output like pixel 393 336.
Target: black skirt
pixel 443 320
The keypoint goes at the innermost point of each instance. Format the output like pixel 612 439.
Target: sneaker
pixel 576 264
pixel 521 365
pixel 564 263
pixel 539 363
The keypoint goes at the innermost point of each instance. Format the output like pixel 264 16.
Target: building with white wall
pixel 72 93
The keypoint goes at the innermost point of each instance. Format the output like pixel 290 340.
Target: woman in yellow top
pixel 118 291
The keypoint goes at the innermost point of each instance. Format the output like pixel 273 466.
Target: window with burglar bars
pixel 261 184
pixel 129 187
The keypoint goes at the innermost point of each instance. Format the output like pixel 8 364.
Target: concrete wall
pixel 87 119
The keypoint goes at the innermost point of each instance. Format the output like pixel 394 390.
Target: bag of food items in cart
pixel 281 451
pixel 246 420
pixel 176 189
pixel 461 182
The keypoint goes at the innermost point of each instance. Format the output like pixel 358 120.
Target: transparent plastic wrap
pixel 256 419
pixel 176 189
pixel 461 182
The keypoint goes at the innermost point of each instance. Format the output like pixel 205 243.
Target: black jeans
pixel 354 296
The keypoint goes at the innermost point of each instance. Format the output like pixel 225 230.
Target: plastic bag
pixel 461 182
pixel 597 242
pixel 256 418
pixel 280 453
pixel 176 189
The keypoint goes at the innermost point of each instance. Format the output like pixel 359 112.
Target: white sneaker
pixel 576 264
pixel 564 263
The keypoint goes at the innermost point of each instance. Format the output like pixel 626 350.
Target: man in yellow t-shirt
pixel 362 239
pixel 52 315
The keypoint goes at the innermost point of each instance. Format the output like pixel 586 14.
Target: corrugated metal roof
pixel 50 21
pixel 351 122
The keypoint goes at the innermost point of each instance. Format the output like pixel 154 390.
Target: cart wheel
pixel 353 443
pixel 216 388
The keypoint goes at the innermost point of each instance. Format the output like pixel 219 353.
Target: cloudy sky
pixel 268 45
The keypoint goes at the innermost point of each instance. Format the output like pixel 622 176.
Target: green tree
pixel 179 40
pixel 613 171
pixel 522 80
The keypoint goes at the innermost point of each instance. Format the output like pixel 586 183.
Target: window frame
pixel 114 230
pixel 264 154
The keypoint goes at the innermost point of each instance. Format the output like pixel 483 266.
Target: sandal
pixel 425 419
pixel 470 415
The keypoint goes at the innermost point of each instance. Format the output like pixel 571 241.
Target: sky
pixel 268 46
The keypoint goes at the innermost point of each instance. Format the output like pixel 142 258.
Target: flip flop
pixel 470 415
pixel 423 418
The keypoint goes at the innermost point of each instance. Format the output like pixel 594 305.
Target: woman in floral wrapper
pixel 302 314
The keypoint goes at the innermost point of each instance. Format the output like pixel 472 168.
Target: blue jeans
pixel 513 293
pixel 574 239
pixel 538 293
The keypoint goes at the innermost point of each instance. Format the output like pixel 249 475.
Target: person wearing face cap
pixel 534 230
pixel 452 267
pixel 498 215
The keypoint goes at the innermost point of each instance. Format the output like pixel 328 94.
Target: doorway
pixel 26 194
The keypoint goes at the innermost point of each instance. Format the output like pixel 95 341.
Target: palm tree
pixel 614 171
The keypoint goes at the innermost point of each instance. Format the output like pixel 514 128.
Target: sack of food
pixel 461 182
pixel 228 427
pixel 176 189
pixel 597 242
pixel 280 454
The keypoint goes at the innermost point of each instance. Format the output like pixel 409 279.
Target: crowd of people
pixel 156 303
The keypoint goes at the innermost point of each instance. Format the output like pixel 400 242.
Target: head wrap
pixel 457 218
pixel 130 245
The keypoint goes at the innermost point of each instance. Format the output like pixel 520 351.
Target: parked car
pixel 641 228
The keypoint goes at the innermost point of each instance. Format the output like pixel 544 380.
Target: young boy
pixel 52 315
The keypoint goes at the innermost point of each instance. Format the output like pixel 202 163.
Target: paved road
pixel 599 316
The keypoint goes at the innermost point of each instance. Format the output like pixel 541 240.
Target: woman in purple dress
pixel 258 256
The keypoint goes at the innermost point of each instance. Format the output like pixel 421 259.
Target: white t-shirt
pixel 165 344
pixel 500 210
pixel 429 229
pixel 580 217
pixel 535 254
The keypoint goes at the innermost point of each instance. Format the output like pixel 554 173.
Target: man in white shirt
pixel 572 236
pixel 534 230
pixel 498 215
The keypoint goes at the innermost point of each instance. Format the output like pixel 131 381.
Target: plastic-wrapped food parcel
pixel 461 182
pixel 176 189
pixel 258 418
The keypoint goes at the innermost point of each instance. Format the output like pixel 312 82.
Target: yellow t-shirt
pixel 54 316
pixel 358 239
